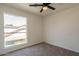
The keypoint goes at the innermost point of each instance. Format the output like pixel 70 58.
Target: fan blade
pixel 46 4
pixel 41 10
pixel 51 7
pixel 36 5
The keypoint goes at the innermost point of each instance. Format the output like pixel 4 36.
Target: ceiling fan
pixel 45 6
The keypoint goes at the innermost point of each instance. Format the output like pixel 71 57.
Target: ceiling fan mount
pixel 45 6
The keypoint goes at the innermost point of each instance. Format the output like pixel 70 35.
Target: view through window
pixel 14 30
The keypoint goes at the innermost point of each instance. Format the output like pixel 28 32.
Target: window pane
pixel 14 30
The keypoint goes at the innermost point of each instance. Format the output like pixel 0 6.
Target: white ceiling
pixel 36 10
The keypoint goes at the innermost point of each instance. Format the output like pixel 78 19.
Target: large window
pixel 15 30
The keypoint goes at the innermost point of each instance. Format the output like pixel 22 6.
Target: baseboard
pixel 61 47
pixel 21 48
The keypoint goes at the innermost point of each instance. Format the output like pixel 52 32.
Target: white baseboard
pixel 8 50
pixel 62 47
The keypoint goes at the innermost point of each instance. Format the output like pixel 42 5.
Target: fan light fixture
pixel 45 8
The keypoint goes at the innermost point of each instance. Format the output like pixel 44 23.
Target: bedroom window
pixel 15 31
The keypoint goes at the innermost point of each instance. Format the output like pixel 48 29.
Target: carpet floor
pixel 42 49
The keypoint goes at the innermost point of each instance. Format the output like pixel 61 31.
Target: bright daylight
pixel 14 30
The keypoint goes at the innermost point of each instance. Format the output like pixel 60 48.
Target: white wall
pixel 62 29
pixel 34 28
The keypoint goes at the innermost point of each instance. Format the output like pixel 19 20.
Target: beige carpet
pixel 42 49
